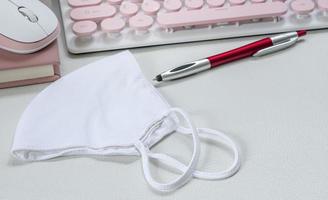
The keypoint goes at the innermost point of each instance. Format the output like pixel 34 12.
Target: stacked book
pixel 28 69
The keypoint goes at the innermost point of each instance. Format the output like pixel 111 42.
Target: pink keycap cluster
pixel 114 16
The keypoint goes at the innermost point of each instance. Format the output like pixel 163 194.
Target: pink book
pixel 19 70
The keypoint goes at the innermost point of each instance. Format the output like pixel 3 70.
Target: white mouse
pixel 26 26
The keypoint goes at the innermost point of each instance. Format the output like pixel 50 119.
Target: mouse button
pixel 8 3
pixel 10 19
pixel 24 31
pixel 7 9
pixel 47 20
pixel 16 27
pixel 28 14
pixel 15 2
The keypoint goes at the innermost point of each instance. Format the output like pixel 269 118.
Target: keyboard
pixel 100 25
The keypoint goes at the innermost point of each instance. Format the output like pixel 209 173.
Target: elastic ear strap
pixel 208 134
pixel 187 172
pixel 220 138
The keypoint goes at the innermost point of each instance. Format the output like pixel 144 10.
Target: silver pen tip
pixel 158 78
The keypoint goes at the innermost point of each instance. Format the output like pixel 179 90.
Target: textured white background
pixel 276 108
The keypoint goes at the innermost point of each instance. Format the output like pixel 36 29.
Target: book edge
pixel 33 81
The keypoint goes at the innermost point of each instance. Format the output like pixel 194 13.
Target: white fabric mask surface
pixel 109 108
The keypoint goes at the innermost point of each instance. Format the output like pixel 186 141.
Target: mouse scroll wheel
pixel 28 14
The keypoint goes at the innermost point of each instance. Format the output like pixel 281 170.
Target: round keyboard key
pixel 194 4
pixel 237 2
pixel 112 25
pixel 129 9
pixel 215 3
pixel 150 7
pixel 84 28
pixel 172 5
pixel 115 2
pixel 81 3
pixel 141 22
pixel 323 5
pixel 302 7
pixel 258 1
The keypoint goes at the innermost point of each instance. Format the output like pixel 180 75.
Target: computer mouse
pixel 26 26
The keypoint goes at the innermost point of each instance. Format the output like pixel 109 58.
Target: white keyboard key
pixel 81 3
pixel 237 2
pixel 129 9
pixel 172 5
pixel 194 4
pixel 215 3
pixel 112 25
pixel 150 7
pixel 323 6
pixel 114 2
pixel 302 7
pixel 141 22
pixel 84 28
pixel 221 15
pixel 94 13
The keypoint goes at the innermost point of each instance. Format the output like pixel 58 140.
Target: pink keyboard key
pixel 141 22
pixel 221 15
pixel 194 4
pixel 172 5
pixel 136 1
pixel 112 25
pixel 81 3
pixel 94 13
pixel 215 3
pixel 258 1
pixel 237 2
pixel 84 28
pixel 323 5
pixel 129 9
pixel 150 7
pixel 302 7
pixel 114 2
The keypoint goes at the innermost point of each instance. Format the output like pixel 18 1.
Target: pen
pixel 259 48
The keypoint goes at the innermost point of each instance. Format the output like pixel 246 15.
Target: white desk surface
pixel 276 108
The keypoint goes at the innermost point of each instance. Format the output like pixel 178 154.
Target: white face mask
pixel 109 108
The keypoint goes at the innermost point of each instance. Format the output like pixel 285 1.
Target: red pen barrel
pixel 239 53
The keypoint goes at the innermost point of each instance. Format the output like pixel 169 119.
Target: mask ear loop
pixel 207 134
pixel 187 171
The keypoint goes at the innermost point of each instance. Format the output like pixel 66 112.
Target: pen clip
pixel 276 47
